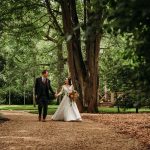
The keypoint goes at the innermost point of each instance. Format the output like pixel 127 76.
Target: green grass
pixel 115 110
pixel 52 109
pixel 29 108
pixel 17 107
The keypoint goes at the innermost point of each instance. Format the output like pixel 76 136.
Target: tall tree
pixel 84 73
pixel 133 17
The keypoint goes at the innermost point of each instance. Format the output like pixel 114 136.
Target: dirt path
pixel 24 132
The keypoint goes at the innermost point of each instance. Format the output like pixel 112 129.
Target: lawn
pixel 115 110
pixel 52 109
pixel 29 108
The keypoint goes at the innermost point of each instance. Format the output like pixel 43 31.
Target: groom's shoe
pixel 44 120
pixel 39 118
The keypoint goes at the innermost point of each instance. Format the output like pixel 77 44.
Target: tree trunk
pixel 75 59
pixel 60 64
pixel 60 68
pixel 34 101
pixel 24 99
pixel 34 78
pixel 84 76
pixel 9 96
pixel 91 91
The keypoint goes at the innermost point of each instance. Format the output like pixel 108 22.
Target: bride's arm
pixel 72 87
pixel 62 89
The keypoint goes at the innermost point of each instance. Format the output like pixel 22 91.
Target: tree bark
pixel 60 68
pixel 9 96
pixel 24 97
pixel 84 75
pixel 60 64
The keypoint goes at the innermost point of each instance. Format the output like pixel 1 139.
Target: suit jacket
pixel 39 88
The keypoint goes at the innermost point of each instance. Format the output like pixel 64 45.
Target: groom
pixel 42 88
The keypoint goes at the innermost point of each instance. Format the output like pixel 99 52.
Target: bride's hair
pixel 69 81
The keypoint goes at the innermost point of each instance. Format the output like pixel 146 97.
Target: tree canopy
pixel 97 40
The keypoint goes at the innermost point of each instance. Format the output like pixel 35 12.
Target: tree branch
pixel 48 38
pixel 53 17
pixel 51 39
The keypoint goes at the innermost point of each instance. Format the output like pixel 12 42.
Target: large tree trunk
pixel 60 68
pixel 60 64
pixel 84 75
pixel 75 60
pixel 91 91
pixel 92 51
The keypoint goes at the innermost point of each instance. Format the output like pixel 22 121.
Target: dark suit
pixel 42 92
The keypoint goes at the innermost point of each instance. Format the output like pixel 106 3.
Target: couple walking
pixel 67 110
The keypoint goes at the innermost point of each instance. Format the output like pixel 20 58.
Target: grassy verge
pixel 52 109
pixel 115 110
pixel 17 107
pixel 29 108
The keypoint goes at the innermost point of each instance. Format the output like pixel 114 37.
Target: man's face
pixel 46 74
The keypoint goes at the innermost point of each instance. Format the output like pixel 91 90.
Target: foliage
pixel 120 70
pixel 26 49
pixel 30 32
pixel 130 71
pixel 136 24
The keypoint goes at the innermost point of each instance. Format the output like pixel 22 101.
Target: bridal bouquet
pixel 73 95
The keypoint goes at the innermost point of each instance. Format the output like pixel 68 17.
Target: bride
pixel 67 110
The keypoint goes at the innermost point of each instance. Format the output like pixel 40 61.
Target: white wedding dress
pixel 67 110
